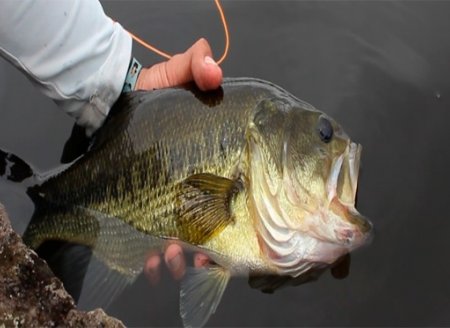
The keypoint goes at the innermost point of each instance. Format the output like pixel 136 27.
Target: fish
pixel 257 179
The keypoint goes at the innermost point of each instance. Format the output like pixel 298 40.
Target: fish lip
pixel 334 176
pixel 350 156
pixel 354 157
pixel 356 235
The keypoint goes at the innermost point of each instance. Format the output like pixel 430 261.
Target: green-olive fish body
pixel 257 179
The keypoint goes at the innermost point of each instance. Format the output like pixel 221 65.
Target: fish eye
pixel 325 129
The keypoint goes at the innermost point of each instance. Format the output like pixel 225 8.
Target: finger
pixel 206 73
pixel 200 260
pixel 195 64
pixel 175 260
pixel 151 268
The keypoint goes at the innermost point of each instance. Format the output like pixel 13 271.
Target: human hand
pixel 196 64
pixel 175 261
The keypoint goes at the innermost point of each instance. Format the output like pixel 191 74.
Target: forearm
pixel 71 50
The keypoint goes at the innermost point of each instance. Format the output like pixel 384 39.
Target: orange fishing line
pixel 166 55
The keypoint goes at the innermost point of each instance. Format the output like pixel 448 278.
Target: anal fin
pixel 119 255
pixel 104 255
pixel 101 285
pixel 89 280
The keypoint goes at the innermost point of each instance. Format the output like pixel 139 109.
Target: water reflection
pixel 269 284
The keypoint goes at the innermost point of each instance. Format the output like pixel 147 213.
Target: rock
pixel 95 318
pixel 30 294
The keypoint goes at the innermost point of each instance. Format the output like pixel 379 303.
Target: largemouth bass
pixel 255 178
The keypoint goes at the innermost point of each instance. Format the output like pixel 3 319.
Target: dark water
pixel 382 69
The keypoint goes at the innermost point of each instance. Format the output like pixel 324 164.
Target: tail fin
pixel 19 188
pixel 15 169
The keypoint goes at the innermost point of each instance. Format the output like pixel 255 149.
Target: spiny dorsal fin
pixel 200 294
pixel 204 206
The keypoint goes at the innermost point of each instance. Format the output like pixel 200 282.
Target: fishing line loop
pixel 168 56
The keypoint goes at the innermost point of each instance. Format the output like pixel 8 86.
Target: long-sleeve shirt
pixel 71 50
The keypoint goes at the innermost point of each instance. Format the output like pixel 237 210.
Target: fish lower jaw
pixel 326 253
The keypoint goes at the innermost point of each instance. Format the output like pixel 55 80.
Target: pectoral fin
pixel 204 206
pixel 201 292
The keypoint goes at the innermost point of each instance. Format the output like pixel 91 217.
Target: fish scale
pixel 118 176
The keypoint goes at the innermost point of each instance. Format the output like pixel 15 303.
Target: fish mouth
pixel 354 229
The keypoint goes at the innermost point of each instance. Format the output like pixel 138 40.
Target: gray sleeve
pixel 71 50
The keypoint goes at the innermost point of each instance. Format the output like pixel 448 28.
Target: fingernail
pixel 210 61
pixel 175 262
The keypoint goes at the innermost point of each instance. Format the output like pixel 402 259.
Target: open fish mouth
pixel 354 229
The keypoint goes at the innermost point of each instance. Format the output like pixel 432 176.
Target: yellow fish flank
pixel 260 181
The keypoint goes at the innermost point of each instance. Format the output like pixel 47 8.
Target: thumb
pixel 195 64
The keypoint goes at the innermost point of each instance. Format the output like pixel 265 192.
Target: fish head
pixel 320 175
pixel 304 175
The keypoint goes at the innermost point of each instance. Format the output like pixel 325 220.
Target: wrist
pixel 132 76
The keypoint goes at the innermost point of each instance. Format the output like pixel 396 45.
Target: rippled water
pixel 382 69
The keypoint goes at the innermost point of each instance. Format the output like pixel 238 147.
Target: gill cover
pixel 268 135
